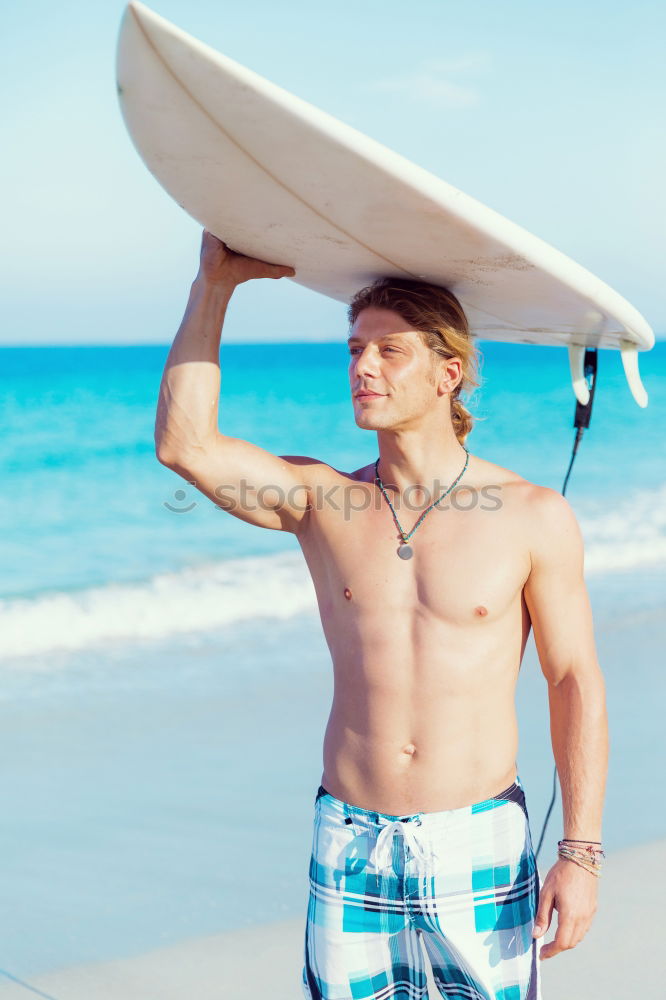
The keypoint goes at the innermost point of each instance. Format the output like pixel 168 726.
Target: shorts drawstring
pixel 382 852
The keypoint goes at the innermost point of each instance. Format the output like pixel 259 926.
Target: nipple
pixel 481 610
pixel 348 593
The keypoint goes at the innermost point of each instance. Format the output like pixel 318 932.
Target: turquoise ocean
pixel 164 681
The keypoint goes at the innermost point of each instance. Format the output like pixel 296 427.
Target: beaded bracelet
pixel 585 857
pixel 591 868
pixel 589 849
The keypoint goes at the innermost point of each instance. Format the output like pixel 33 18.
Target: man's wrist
pixel 587 855
pixel 214 289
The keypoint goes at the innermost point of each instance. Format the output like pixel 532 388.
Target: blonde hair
pixel 437 314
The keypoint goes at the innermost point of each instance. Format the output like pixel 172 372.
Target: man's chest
pixel 467 564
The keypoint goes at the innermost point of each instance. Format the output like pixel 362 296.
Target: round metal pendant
pixel 405 551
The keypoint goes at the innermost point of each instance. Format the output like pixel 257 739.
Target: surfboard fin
pixel 578 380
pixel 629 352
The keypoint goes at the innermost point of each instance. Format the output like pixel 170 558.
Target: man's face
pixel 392 374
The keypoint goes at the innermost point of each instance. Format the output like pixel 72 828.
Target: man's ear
pixel 450 375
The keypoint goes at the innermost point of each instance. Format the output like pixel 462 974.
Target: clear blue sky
pixel 551 113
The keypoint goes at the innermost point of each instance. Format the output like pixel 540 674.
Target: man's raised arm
pixel 267 490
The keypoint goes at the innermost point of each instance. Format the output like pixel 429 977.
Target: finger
pixel 209 242
pixel 206 235
pixel 580 930
pixel 544 914
pixel 563 940
pixel 282 272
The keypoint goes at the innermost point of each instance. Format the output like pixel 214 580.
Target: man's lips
pixel 365 393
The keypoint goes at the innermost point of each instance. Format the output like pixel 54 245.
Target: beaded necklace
pixel 405 551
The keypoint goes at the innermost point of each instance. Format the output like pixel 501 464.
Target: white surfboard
pixel 278 179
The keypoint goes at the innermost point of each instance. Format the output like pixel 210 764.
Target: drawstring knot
pixel 382 853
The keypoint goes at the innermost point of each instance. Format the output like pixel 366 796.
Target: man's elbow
pixel 163 452
pixel 171 458
pixel 579 673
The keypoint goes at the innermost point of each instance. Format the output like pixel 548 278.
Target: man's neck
pixel 413 461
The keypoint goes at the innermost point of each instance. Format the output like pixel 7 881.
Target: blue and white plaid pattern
pixel 462 881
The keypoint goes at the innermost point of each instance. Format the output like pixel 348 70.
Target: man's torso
pixel 426 651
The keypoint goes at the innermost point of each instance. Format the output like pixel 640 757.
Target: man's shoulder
pixel 541 500
pixel 555 536
pixel 544 514
pixel 550 508
pixel 485 475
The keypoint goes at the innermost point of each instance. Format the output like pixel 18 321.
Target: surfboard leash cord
pixel 581 423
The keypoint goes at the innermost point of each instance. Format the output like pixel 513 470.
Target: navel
pixel 410 748
pixel 348 593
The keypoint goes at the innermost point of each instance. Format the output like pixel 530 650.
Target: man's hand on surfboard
pixel 222 266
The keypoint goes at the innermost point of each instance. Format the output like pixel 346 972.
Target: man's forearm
pixel 187 411
pixel 579 731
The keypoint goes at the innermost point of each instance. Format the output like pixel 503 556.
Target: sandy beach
pixel 124 875
pixel 265 961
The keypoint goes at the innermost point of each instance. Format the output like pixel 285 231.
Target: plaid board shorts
pixel 463 881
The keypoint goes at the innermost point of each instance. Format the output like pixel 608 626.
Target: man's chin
pixel 367 423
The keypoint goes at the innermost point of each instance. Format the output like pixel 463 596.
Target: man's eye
pixel 387 347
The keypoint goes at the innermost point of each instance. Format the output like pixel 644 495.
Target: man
pixel 430 566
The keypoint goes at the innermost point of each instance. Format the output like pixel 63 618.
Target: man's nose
pixel 366 362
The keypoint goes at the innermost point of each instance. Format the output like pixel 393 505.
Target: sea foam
pixel 204 597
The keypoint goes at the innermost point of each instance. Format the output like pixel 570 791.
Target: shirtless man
pixel 420 824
